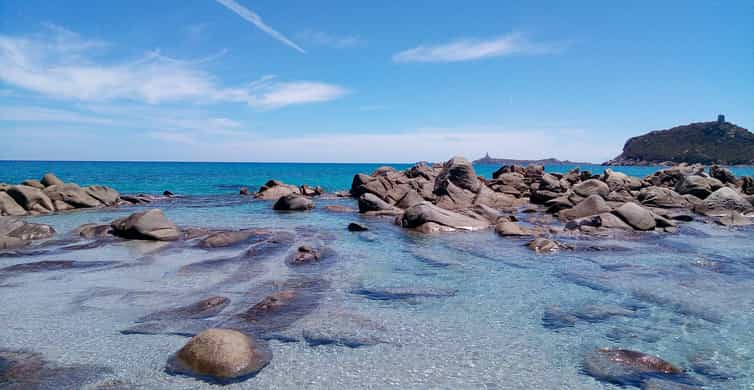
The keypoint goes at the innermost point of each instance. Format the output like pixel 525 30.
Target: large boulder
pixel 31 199
pixel 511 229
pixel 106 195
pixel 699 186
pixel 511 183
pixel 591 187
pixel 592 205
pixel 293 202
pixel 636 216
pixel 371 202
pixel 49 179
pixel 617 181
pixel 71 194
pixel 222 355
pixel 426 212
pixel 724 199
pixel 146 225
pixel 672 176
pixel 275 189
pixel 723 174
pixel 493 199
pixel 8 206
pixel 459 172
pixel 662 197
pixel 33 183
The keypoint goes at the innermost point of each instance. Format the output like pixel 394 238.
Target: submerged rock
pixel 403 293
pixel 206 308
pixel 28 370
pixel 220 355
pixel 357 227
pixel 627 368
pixel 146 225
pixel 230 238
pixel 544 245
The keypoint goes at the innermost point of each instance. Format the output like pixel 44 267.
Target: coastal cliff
pixel 717 142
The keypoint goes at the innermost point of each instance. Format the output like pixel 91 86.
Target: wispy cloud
pixel 474 49
pixel 256 20
pixel 61 64
pixel 325 39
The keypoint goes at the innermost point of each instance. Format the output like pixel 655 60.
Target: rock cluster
pixel 16 233
pixel 451 197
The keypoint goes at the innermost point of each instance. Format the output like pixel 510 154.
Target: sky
pixel 351 81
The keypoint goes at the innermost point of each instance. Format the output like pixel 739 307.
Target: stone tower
pixel 721 119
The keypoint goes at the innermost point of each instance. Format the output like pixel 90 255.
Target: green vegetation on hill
pixel 705 142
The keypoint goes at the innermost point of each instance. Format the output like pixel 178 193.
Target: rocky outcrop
pixel 146 225
pixel 275 189
pixel 426 212
pixel 220 355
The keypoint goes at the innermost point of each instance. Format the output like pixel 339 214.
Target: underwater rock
pixel 230 238
pixel 205 308
pixel 357 227
pixel 627 368
pixel 220 355
pixel 403 293
pixel 659 384
pixel 555 317
pixel 53 265
pixel 92 230
pixel 28 370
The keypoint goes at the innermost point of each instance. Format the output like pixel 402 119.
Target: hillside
pixel 705 142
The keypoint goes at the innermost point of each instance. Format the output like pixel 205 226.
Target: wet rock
pixel 699 186
pixel 371 202
pixel 627 368
pixel 92 230
pixel 205 308
pixel 49 179
pixel 275 189
pixel 543 245
pixel 512 229
pixel 220 355
pixel 341 329
pixel 592 205
pixel 305 255
pixel 636 216
pixel 53 265
pixel 32 231
pixel 338 209
pixel 293 202
pixel 167 193
pixel 307 190
pixel 146 225
pixel 403 293
pixel 8 206
pixel 734 218
pixel 230 238
pixel 591 187
pixel 31 199
pixel 357 227
pixel 244 191
pixel 426 212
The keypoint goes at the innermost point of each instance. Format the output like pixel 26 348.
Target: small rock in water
pixel 628 368
pixel 205 308
pixel 305 255
pixel 167 193
pixel 147 225
pixel 543 245
pixel 357 227
pixel 220 355
pixel 244 191
pixel 293 202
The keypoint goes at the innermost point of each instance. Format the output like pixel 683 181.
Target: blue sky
pixel 345 81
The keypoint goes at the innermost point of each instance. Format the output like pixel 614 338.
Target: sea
pixel 393 309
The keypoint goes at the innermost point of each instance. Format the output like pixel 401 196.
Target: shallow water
pixel 470 312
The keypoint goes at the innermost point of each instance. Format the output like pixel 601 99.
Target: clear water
pixel 489 334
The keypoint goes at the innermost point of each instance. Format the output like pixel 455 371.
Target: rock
pixel 409 199
pixel 92 230
pixel 698 186
pixel 32 231
pixel 222 355
pixel 33 183
pixel 495 200
pixel 31 198
pixel 425 212
pixel 724 199
pixel 228 238
pixel 73 195
pixel 734 218
pixel 592 205
pixel 8 206
pixel 659 384
pixel 627 368
pixel 205 308
pixel 338 209
pixel 305 255
pixel 146 225
pixel 557 204
pixel 11 243
pixel 511 229
pixel 244 191
pixel 662 197
pixel 509 183
pixel 293 202
pixel 543 245
pixel 636 216
pixel 311 191
pixel 724 175
pixel 371 202
pixel 617 181
pixel 53 265
pixel 431 228
pixel 106 195
pixel 555 317
pixel 747 185
pixel 672 176
pixel 167 193
pixel 275 189
pixel 357 227
pixel 591 187
pixel 49 179
pixel 29 370
pixel 403 293
pixel 460 173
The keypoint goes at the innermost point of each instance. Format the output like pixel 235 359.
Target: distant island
pixel 718 142
pixel 487 160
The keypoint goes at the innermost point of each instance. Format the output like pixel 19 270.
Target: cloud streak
pixel 253 18
pixel 61 64
pixel 475 49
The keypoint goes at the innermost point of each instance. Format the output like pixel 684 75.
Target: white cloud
pixel 335 41
pixel 474 49
pixel 43 114
pixel 61 64
pixel 256 20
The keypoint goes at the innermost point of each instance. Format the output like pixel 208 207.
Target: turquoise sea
pixel 475 311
